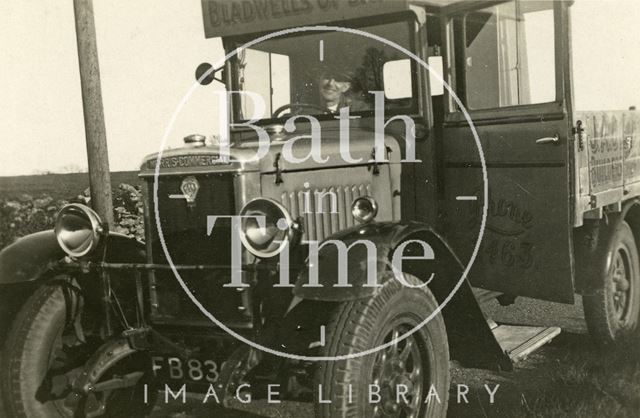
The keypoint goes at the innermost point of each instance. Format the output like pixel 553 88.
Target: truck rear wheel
pixel 612 310
pixel 43 354
pixel 396 381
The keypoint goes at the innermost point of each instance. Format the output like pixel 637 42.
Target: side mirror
pixel 397 79
pixel 205 74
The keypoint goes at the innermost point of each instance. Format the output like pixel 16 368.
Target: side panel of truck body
pixel 609 161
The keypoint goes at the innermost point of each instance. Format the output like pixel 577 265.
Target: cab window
pixel 509 54
pixel 317 73
pixel 266 74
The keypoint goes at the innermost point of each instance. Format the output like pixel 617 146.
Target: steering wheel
pixel 299 106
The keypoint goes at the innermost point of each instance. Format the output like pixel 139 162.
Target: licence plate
pixel 193 369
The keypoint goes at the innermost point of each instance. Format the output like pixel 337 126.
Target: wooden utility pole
pixel 95 134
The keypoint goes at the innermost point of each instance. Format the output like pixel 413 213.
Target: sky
pixel 148 52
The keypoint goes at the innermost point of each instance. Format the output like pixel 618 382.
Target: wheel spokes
pixel 404 354
pixel 411 409
pixel 620 285
pixel 398 372
pixel 395 334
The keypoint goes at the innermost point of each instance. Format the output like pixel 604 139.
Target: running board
pixel 518 341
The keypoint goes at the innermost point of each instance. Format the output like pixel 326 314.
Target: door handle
pixel 549 140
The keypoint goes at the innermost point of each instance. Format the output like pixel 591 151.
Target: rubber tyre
pixel 604 325
pixel 359 325
pixel 28 352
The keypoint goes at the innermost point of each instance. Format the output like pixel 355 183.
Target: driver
pixel 335 85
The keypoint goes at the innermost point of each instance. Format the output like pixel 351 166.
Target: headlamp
pixel 266 227
pixel 78 229
pixel 364 209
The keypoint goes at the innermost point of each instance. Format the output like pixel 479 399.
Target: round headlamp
pixel 364 209
pixel 266 227
pixel 78 229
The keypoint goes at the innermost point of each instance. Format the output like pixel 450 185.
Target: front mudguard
pixel 386 237
pixel 30 258
pixel 471 341
pixel 34 259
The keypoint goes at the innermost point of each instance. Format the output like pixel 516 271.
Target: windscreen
pixel 319 73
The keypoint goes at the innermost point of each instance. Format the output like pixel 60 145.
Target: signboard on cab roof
pixel 235 17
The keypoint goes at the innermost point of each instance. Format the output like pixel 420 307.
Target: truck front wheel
pixel 409 378
pixel 43 355
pixel 612 309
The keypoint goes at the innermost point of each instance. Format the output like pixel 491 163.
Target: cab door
pixel 507 63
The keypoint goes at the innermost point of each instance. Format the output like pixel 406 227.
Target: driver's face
pixel 332 89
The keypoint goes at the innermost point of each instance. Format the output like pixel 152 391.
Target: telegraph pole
pixel 94 127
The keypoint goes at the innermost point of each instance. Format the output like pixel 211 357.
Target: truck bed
pixel 608 162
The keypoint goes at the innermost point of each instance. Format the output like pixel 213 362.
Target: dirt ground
pixel 517 389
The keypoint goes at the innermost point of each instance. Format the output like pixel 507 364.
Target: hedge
pixel 27 214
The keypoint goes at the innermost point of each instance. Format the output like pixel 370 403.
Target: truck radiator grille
pixel 315 206
pixel 185 232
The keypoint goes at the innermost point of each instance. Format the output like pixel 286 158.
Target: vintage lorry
pixel 492 187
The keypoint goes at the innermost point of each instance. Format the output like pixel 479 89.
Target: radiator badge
pixel 189 188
